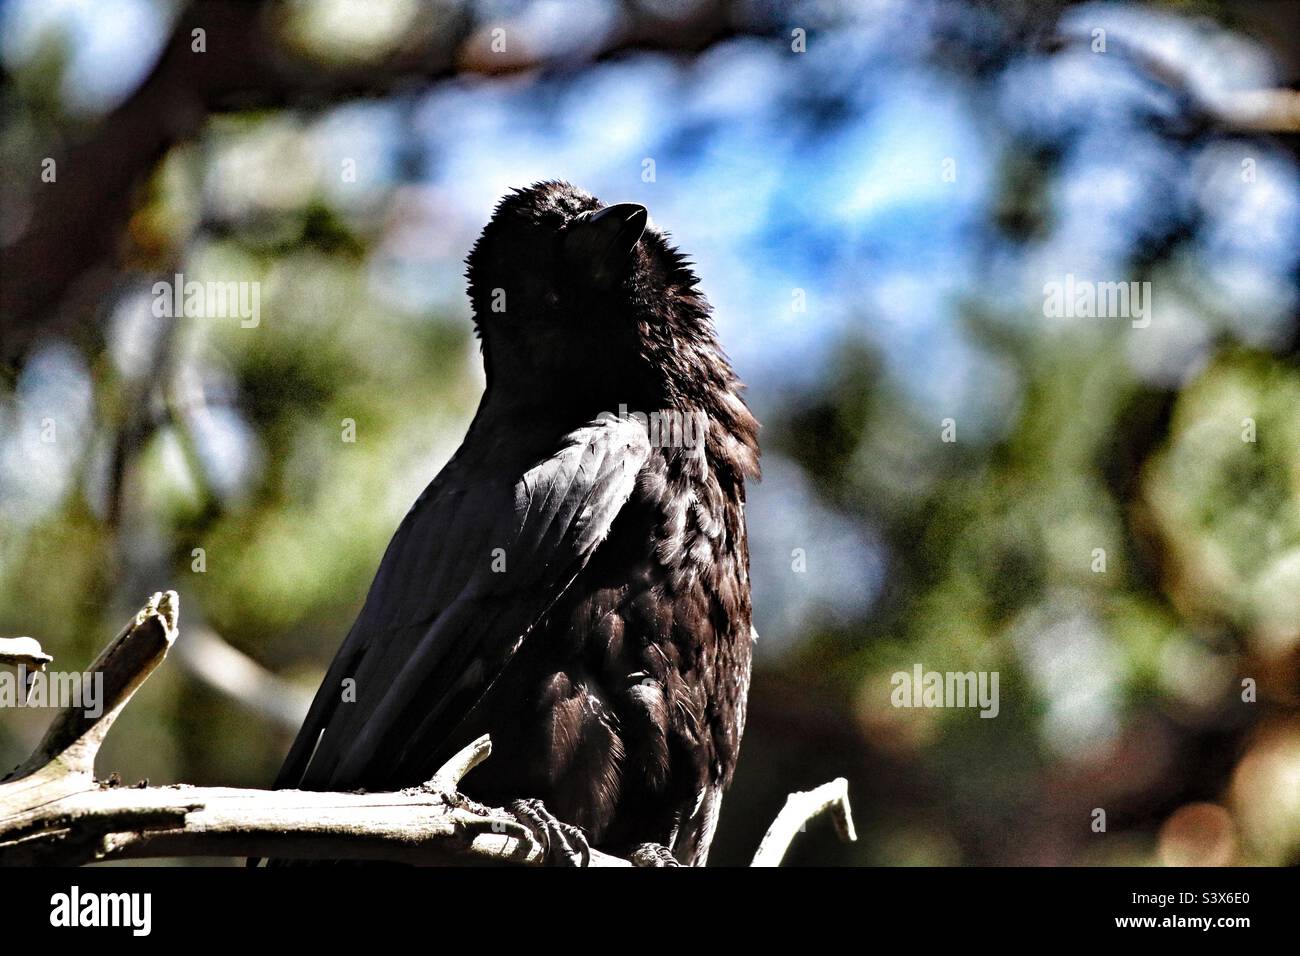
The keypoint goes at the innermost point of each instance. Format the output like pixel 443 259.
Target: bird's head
pixel 586 302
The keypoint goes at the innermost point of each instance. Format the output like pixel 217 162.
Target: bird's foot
pixel 564 844
pixel 652 854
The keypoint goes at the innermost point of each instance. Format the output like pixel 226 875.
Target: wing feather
pixel 440 624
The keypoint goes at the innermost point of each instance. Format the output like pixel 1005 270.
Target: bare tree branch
pixel 53 811
pixel 23 651
pixel 424 825
pixel 799 809
pixel 74 738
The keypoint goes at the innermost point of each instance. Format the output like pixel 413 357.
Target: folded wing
pixel 491 544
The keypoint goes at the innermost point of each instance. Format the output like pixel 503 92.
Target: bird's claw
pixel 652 855
pixel 563 843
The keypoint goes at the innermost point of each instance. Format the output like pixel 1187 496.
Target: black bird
pixel 575 581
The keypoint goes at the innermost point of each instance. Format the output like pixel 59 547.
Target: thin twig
pixel 798 810
pixel 73 739
pixel 450 774
pixel 23 652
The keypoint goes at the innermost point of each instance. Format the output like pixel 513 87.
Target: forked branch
pixel 53 811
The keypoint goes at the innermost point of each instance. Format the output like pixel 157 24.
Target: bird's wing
pixel 483 554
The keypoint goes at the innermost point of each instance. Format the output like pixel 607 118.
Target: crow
pixel 575 581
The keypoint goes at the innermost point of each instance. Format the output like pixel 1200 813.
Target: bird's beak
pixel 601 242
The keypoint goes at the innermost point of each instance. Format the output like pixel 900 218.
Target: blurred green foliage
pixel 1121 682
